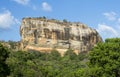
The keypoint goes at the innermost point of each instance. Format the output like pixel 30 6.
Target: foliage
pixel 12 44
pixel 4 69
pixel 65 21
pixel 36 64
pixel 70 54
pixel 104 59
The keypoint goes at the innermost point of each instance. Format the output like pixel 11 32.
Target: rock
pixel 48 33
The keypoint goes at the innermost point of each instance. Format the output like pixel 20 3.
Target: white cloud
pixel 7 20
pixel 107 31
pixel 34 7
pixel 112 30
pixel 119 20
pixel 46 6
pixel 110 15
pixel 23 2
pixel 26 3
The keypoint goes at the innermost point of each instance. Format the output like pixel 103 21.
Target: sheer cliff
pixel 44 34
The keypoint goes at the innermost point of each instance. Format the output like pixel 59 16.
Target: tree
pixel 4 70
pixel 38 64
pixel 44 17
pixel 64 20
pixel 104 59
pixel 54 55
pixel 70 54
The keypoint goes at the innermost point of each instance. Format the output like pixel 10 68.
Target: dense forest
pixel 102 61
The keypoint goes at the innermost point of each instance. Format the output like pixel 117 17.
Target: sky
pixel 102 15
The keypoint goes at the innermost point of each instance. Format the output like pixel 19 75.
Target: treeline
pixel 102 61
pixel 36 64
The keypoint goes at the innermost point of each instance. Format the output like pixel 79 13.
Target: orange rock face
pixel 47 34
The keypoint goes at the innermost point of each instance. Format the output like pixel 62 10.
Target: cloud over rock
pixel 46 6
pixel 7 19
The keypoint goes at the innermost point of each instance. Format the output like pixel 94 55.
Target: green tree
pixel 104 59
pixel 54 55
pixel 4 69
pixel 36 64
pixel 65 21
pixel 12 44
pixel 70 54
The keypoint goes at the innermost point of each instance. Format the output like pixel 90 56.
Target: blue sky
pixel 102 15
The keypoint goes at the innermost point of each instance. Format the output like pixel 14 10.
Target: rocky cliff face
pixel 50 33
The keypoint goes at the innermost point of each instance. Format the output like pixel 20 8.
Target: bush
pixel 4 69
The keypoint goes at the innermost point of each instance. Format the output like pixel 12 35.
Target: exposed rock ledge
pixel 48 33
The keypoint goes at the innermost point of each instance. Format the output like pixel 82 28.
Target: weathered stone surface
pixel 48 33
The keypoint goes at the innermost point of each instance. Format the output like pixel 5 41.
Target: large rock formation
pixel 44 34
